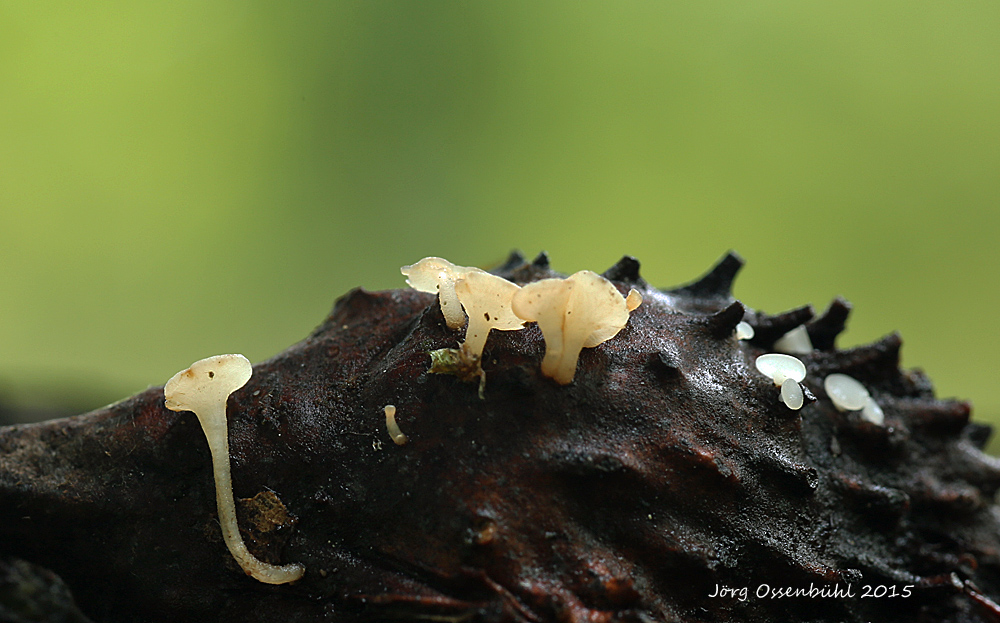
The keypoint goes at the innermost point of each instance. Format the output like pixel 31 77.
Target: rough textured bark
pixel 668 467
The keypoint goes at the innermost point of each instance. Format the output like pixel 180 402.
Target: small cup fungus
pixel 486 299
pixel 438 276
pixel 578 312
pixel 786 372
pixel 204 388
pixel 779 367
pixel 744 331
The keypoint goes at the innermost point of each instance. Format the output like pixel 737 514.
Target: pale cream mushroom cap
pixel 617 310
pixel 207 383
pixel 581 311
pixel 486 299
pixel 426 274
pixel 438 276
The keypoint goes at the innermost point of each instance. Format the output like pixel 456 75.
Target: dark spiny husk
pixel 669 467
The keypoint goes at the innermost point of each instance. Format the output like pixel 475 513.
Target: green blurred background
pixel 183 179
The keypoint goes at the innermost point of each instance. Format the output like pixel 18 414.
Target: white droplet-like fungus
pixel 578 312
pixel 791 394
pixel 438 276
pixel 847 394
pixel 204 388
pixel 779 367
pixel 795 341
pixel 486 299
pixel 390 423
pixel 744 331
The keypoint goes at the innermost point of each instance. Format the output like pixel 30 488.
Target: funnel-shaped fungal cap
pixel 486 299
pixel 207 384
pixel 437 276
pixel 578 312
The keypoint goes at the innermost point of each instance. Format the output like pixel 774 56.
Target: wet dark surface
pixel 668 468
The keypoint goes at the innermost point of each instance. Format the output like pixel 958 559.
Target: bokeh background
pixel 184 179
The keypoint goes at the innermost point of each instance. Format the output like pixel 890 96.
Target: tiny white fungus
pixel 744 331
pixel 394 430
pixel 795 341
pixel 872 412
pixel 779 367
pixel 846 393
pixel 791 394
pixel 204 389
pixel 633 300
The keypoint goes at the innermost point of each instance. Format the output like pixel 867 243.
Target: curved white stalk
pixel 204 388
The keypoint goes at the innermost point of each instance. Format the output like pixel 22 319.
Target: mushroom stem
pixel 218 444
pixel 560 361
pixel 204 388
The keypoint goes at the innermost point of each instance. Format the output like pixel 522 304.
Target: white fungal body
pixel 847 394
pixel 744 331
pixel 486 299
pixel 578 312
pixel 204 388
pixel 390 423
pixel 438 276
pixel 795 341
pixel 791 394
pixel 780 367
